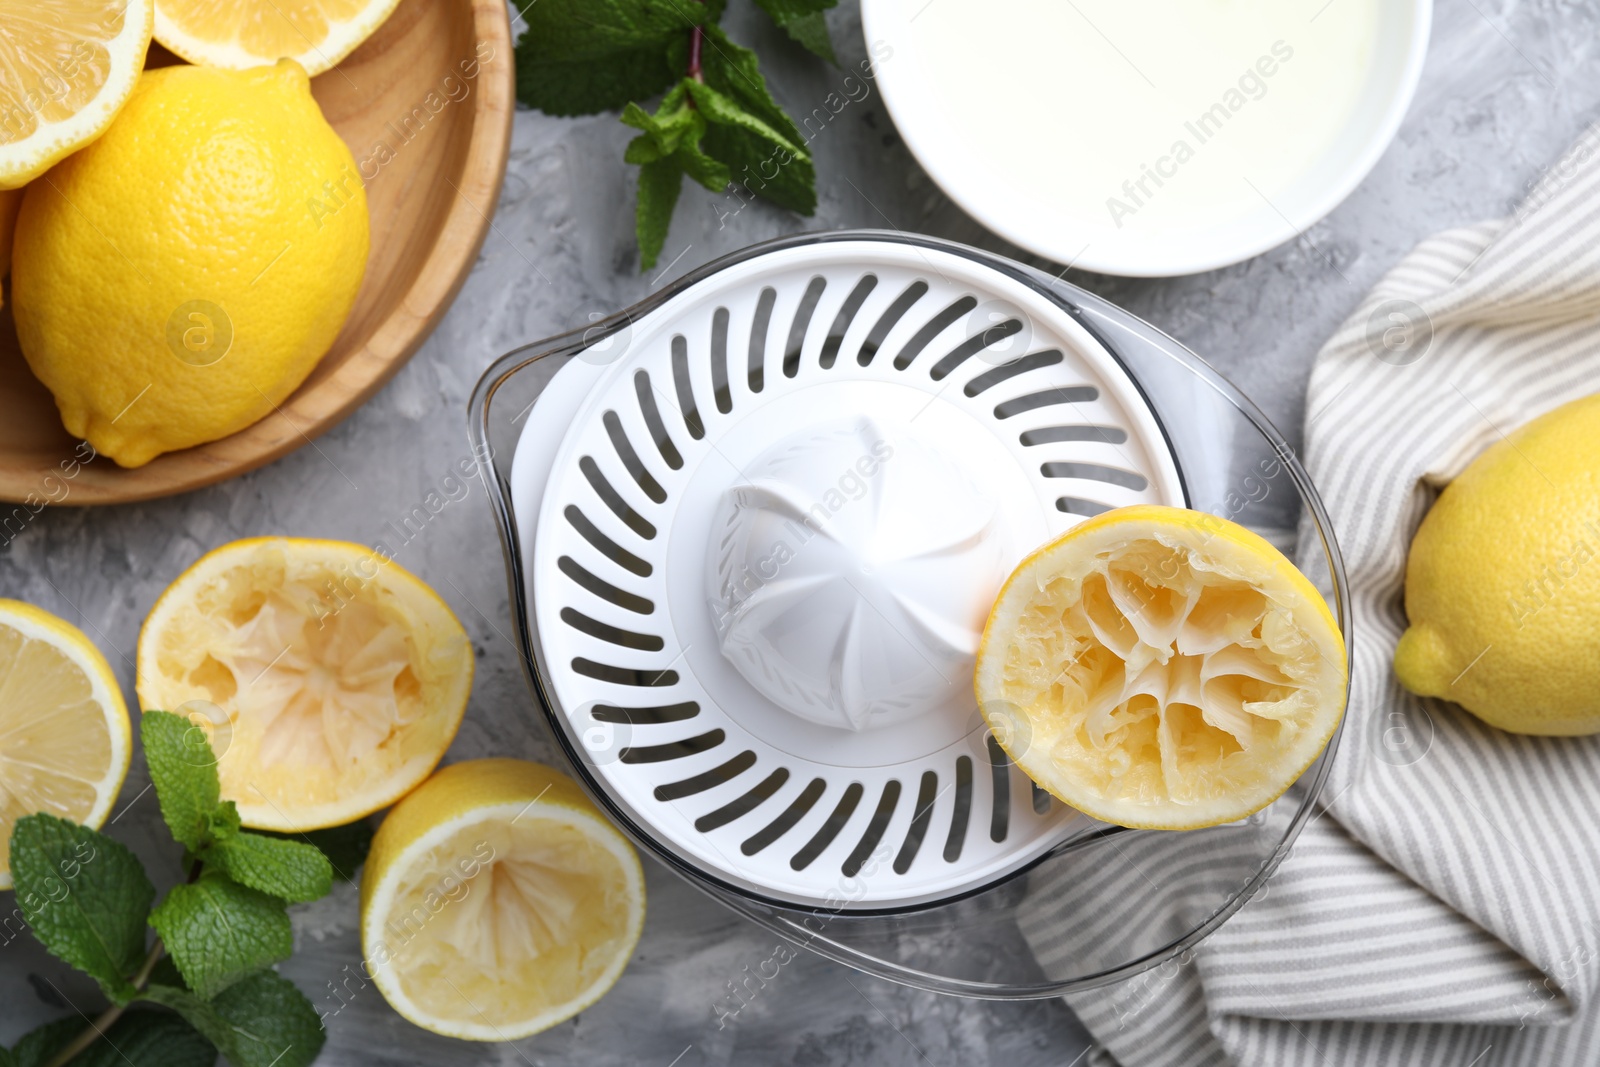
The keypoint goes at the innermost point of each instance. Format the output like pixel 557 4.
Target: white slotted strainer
pixel 768 517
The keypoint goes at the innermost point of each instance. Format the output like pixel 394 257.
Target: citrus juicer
pixel 753 526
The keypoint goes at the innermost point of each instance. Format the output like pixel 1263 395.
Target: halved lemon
pixel 69 67
pixel 65 740
pixel 497 902
pixel 329 679
pixel 1161 668
pixel 317 34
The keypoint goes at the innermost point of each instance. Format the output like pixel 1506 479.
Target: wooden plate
pixel 433 154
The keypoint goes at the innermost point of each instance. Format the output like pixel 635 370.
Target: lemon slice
pixel 1161 668
pixel 64 733
pixel 329 679
pixel 248 33
pixel 69 66
pixel 497 902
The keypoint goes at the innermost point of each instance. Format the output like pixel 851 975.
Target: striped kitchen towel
pixel 1446 907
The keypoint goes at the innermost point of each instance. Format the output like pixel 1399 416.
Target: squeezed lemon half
pixel 1161 668
pixel 329 679
pixel 497 902
pixel 65 740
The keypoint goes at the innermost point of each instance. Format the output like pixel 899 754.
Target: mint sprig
pixel 717 122
pixel 88 901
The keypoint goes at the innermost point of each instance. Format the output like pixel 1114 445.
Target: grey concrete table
pixel 1508 85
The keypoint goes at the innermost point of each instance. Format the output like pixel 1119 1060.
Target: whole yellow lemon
pixel 179 277
pixel 1503 582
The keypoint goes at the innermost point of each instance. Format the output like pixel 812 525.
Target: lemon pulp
pixel 329 679
pixel 497 902
pixel 1160 668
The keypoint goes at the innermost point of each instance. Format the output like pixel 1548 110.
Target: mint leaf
pixel 345 846
pixel 721 110
pixel 260 1021
pixel 802 20
pixel 735 71
pixel 659 184
pixel 224 821
pixel 788 10
pixel 200 1014
pixel 184 772
pixel 275 1023
pixel 289 870
pixel 219 931
pixel 585 86
pixel 766 170
pixel 136 1039
pixel 593 29
pixel 148 1039
pixel 85 896
pixel 578 57
pixel 811 31
pixel 703 169
pixel 40 1043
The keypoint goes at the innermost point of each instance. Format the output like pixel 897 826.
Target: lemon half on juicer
pixel 1161 668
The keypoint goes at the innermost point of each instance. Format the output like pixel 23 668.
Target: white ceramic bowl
pixel 1075 229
